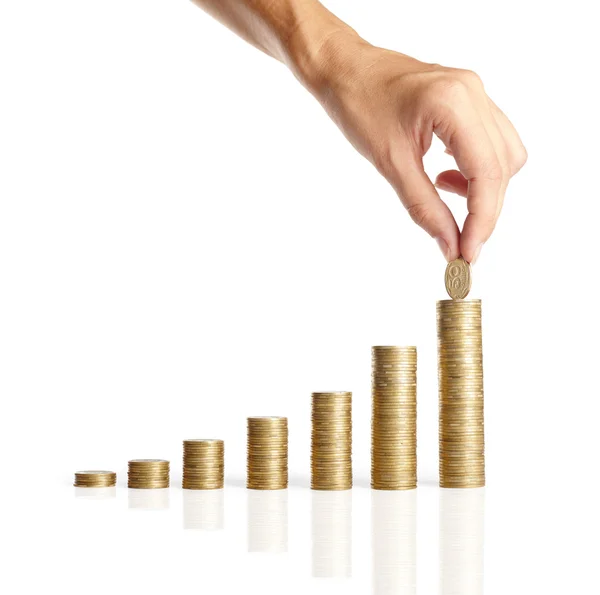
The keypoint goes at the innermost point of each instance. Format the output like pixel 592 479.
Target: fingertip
pixel 449 248
pixel 444 248
pixel 454 252
pixel 471 241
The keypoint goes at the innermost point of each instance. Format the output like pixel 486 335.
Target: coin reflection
pixel 394 542
pixel 148 499
pixel 461 541
pixel 203 509
pixel 96 493
pixel 332 534
pixel 267 520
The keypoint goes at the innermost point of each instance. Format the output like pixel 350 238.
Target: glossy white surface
pixel 451 542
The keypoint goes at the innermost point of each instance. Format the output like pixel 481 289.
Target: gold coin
pixel 458 279
pixel 460 380
pixel 148 473
pixel 203 464
pixel 267 453
pixel 331 441
pixel 393 418
pixel 95 479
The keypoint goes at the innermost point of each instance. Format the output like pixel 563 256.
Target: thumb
pixel 424 204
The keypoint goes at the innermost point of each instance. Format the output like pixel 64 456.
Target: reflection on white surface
pixel 394 542
pixel 332 534
pixel 267 521
pixel 155 499
pixel 96 493
pixel 203 509
pixel 461 541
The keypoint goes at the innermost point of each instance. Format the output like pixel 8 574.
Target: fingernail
pixel 443 247
pixel 476 255
pixel 442 186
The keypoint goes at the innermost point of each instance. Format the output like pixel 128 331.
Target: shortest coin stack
pixel 95 479
pixel 267 453
pixel 148 474
pixel 203 464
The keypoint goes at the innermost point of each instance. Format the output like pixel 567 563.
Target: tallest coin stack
pixel 460 375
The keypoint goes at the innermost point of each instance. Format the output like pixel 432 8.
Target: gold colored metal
pixel 458 279
pixel 148 474
pixel 331 441
pixel 460 377
pixel 95 479
pixel 394 418
pixel 267 466
pixel 203 464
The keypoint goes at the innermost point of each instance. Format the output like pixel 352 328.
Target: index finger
pixel 479 163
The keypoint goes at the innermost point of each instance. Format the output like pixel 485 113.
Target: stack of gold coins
pixel 95 479
pixel 148 474
pixel 331 441
pixel 267 453
pixel 394 418
pixel 203 464
pixel 460 375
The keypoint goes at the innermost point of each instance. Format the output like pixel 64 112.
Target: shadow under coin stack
pixel 331 441
pixel 203 464
pixel 148 474
pixel 394 418
pixel 95 479
pixel 460 376
pixel 267 466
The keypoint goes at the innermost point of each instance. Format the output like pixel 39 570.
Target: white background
pixel 186 240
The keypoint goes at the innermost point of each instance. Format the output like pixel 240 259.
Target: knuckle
pixel 446 89
pixel 419 213
pixel 492 171
pixel 520 158
pixel 470 78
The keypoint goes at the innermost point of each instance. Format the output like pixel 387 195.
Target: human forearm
pixel 291 31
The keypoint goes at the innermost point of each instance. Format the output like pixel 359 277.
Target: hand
pixel 389 106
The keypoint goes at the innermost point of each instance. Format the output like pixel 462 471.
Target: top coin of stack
pixel 267 465
pixel 458 279
pixel 148 474
pixel 394 418
pixel 460 372
pixel 203 464
pixel 331 441
pixel 95 479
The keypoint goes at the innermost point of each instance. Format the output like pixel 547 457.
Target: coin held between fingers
pixel 458 279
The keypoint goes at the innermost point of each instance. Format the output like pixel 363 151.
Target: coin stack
pixel 394 418
pixel 267 466
pixel 203 464
pixel 148 474
pixel 460 376
pixel 95 479
pixel 331 441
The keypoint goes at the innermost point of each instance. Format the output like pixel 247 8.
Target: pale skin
pixel 389 106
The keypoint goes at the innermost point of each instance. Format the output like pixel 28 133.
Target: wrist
pixel 320 51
